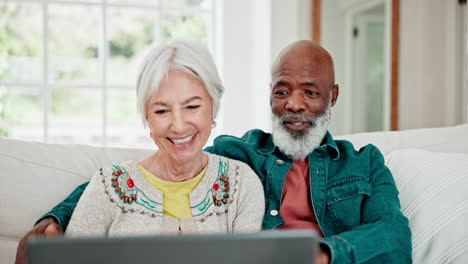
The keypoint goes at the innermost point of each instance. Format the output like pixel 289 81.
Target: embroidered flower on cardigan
pixel 219 192
pixel 123 184
pixel 125 187
pixel 221 186
pixel 219 195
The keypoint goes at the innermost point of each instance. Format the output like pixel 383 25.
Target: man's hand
pixel 322 257
pixel 48 227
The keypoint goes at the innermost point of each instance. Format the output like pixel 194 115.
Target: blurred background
pixel 68 67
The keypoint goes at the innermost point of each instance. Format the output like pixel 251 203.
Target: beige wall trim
pixel 395 61
pixel 316 20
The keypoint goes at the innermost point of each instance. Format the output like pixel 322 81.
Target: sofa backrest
pixel 36 176
pixel 444 139
pixel 433 197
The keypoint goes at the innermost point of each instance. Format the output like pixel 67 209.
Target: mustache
pixel 283 118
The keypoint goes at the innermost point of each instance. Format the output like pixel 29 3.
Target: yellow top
pixel 176 201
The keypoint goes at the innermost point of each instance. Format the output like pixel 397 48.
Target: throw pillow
pixel 434 197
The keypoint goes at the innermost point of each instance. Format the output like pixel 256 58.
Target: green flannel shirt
pixel 353 193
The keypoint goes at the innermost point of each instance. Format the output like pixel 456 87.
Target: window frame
pixel 46 86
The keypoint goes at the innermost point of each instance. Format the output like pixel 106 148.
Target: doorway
pixel 362 36
pixel 369 110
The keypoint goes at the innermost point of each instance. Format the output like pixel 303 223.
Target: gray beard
pixel 298 144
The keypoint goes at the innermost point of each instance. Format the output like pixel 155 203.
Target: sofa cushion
pixel 434 197
pixel 36 176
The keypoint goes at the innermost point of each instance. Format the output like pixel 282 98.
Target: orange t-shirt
pixel 296 204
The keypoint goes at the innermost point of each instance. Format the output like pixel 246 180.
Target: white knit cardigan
pixel 119 201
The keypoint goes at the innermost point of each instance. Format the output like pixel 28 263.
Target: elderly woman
pixel 179 188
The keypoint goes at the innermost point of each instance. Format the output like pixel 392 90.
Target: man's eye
pixel 308 92
pixel 281 93
pixel 193 106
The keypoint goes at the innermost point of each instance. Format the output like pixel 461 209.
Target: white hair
pixel 181 55
pixel 299 145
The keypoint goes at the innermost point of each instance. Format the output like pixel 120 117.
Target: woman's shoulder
pixel 113 176
pixel 122 166
pixel 122 169
pixel 234 164
pixel 128 189
pixel 239 173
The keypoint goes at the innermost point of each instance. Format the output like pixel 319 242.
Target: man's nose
pixel 296 103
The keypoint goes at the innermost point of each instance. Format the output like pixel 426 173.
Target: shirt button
pixel 279 162
pixel 274 212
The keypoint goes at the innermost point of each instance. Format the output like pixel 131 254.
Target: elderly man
pixel 310 180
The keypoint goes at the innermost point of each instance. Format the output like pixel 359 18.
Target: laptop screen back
pixel 263 247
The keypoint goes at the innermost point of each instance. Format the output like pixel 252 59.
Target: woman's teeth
pixel 183 140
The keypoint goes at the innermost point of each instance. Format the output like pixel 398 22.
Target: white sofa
pixel 430 167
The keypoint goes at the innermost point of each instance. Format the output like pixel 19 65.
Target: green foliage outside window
pixel 73 45
pixel 192 27
pixel 30 44
pixel 127 43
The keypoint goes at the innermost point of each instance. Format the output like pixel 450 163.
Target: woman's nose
pixel 178 122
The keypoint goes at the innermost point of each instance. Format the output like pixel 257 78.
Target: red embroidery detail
pixel 215 186
pixel 130 183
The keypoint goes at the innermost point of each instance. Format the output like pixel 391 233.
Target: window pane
pixel 134 2
pixel 21 42
pixel 125 128
pixel 21 113
pixel 130 32
pixel 193 27
pixel 73 43
pixel 186 3
pixel 87 1
pixel 75 116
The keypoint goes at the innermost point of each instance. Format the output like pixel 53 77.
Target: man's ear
pixel 335 90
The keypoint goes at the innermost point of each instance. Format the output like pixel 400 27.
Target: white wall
pixel 291 21
pixel 237 66
pixel 333 37
pixel 253 33
pixel 431 88
pixel 465 69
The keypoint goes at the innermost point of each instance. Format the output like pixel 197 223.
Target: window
pixel 68 67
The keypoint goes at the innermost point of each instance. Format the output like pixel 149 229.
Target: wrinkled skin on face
pixel 179 117
pixel 303 86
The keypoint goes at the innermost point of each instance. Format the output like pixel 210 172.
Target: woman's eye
pixel 193 106
pixel 160 112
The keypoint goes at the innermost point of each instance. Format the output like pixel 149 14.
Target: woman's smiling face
pixel 180 116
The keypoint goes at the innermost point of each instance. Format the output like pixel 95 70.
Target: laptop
pixel 285 246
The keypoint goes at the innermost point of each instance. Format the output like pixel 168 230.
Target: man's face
pixel 302 85
pixel 302 92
